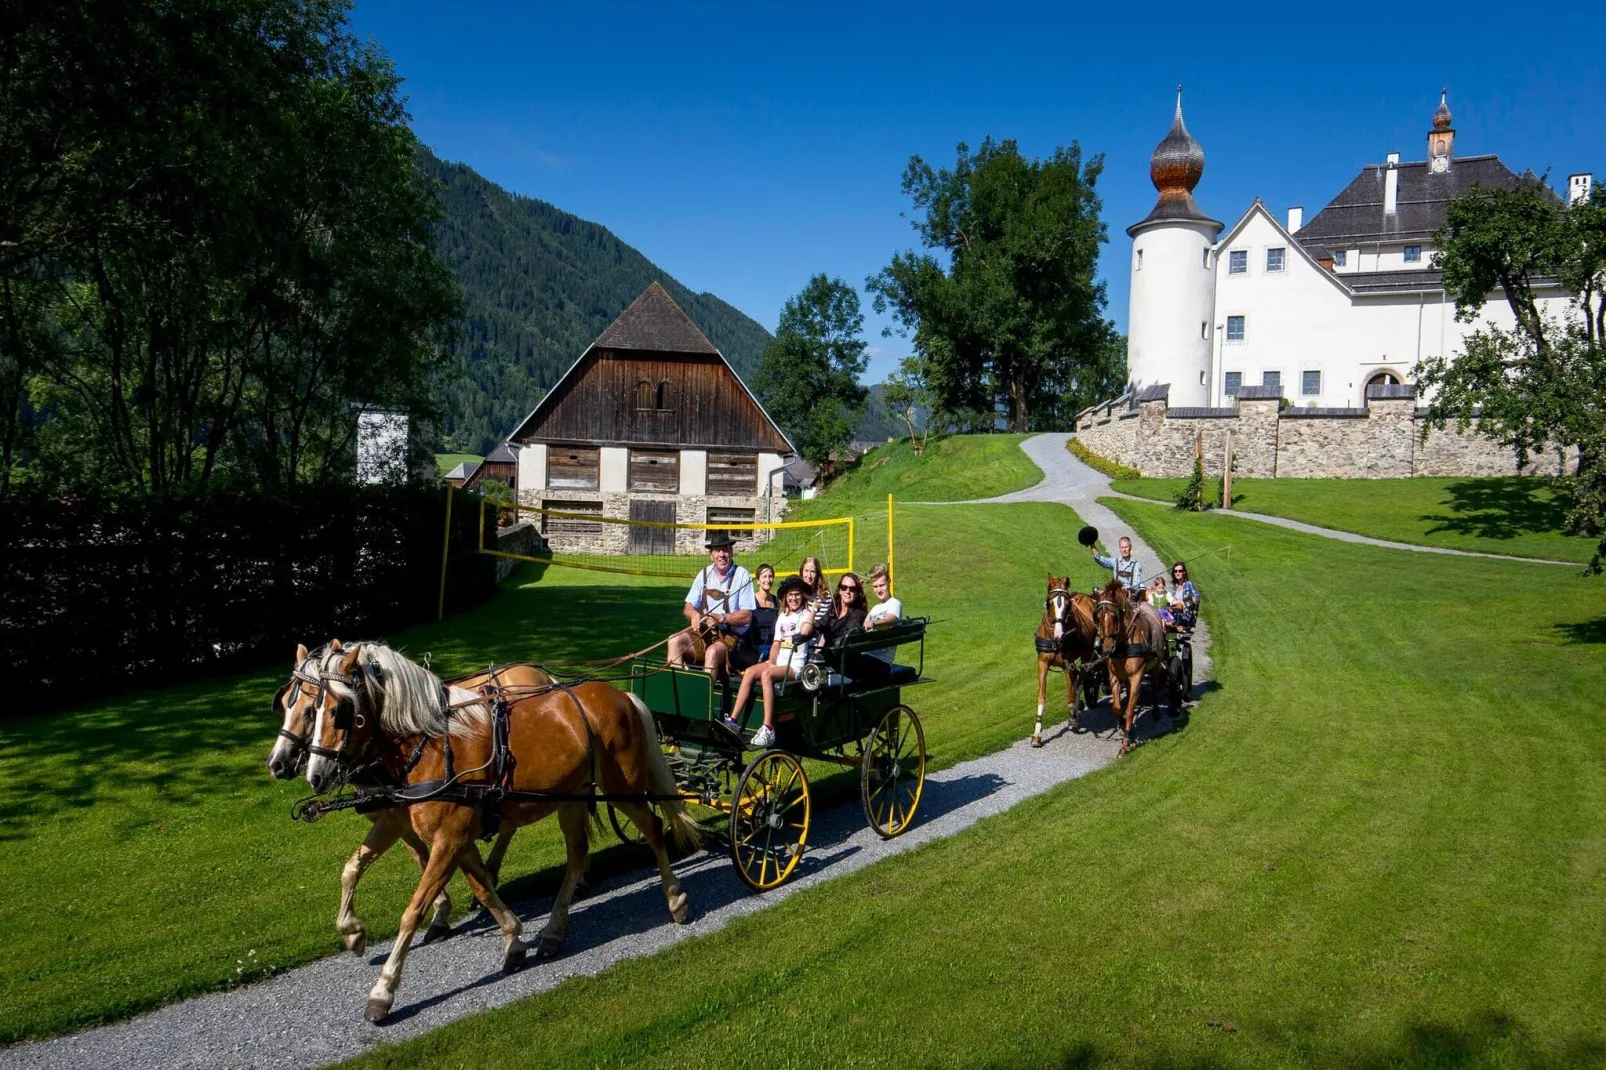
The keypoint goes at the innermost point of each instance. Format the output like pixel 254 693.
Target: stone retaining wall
pixel 1381 441
pixel 615 538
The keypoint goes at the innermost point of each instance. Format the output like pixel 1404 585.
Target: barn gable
pixel 653 379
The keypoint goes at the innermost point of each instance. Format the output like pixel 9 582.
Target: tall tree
pixel 1541 386
pixel 215 241
pixel 809 376
pixel 1005 308
pixel 909 395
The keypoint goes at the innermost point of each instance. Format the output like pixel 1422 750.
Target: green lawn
pixel 953 469
pixel 149 856
pixel 1519 516
pixel 445 462
pixel 1379 842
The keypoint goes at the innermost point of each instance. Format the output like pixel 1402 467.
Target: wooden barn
pixel 652 424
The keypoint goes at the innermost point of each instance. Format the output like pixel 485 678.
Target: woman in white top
pixel 789 652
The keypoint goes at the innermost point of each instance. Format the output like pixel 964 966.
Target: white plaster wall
pixel 770 463
pixel 532 468
pixel 614 477
pixel 1171 295
pixel 694 471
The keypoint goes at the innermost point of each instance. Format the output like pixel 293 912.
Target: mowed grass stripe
pixel 148 856
pixel 1378 842
pixel 1520 516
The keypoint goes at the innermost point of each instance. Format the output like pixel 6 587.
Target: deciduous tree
pixel 809 377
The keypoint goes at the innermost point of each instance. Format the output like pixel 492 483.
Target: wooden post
pixel 1226 475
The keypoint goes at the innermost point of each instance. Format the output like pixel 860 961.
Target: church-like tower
pixel 1171 309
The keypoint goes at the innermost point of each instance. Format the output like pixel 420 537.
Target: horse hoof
pixel 513 961
pixel 439 930
pixel 356 942
pixel 376 1010
pixel 1037 741
pixel 679 908
pixel 549 945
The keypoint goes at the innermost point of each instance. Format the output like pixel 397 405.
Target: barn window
pixel 732 473
pixel 573 467
pixel 655 470
pixel 644 397
pixel 570 525
pixel 722 516
pixel 663 394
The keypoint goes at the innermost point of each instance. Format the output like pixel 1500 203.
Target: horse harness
pixel 1124 649
pixel 1050 645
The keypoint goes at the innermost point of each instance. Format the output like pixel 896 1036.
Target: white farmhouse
pixel 1317 312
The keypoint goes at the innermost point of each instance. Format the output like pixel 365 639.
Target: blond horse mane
pixel 408 696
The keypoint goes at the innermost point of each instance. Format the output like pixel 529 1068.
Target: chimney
pixel 1296 219
pixel 1391 186
pixel 1579 188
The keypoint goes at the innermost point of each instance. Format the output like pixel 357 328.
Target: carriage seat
pixel 861 642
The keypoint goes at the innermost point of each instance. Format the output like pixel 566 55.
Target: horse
pixel 1133 638
pixel 1065 641
pixel 564 744
pixel 295 702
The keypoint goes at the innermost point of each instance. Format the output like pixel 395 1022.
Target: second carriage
pixel 827 716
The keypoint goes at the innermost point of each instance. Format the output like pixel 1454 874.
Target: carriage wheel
pixel 770 820
pixel 893 773
pixel 626 829
pixel 1176 687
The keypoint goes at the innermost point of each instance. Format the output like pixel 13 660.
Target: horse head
pixel 344 717
pixel 1056 607
pixel 296 704
pixel 1110 615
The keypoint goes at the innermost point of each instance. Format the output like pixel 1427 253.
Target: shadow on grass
pixel 1584 631
pixel 185 743
pixel 1501 508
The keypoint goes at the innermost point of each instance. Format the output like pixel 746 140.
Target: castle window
pixel 1339 258
pixel 1274 259
pixel 1235 328
pixel 1140 260
pixel 1204 328
pixel 1413 254
pixel 1238 262
pixel 1207 259
pixel 1310 382
pixel 644 395
pixel 1272 381
pixel 1235 380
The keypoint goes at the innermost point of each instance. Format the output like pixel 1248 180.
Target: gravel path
pixel 312 1015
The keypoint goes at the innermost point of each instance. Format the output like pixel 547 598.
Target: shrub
pixel 1100 464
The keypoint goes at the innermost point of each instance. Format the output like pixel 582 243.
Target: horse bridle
pixel 1062 619
pixel 345 713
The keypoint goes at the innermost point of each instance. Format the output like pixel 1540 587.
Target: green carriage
pixel 827 716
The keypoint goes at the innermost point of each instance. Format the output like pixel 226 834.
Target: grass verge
pixel 954 468
pixel 1099 464
pixel 182 873
pixel 1519 516
pixel 1377 843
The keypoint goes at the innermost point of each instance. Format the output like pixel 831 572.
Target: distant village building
pixel 501 464
pixel 1316 312
pixel 649 424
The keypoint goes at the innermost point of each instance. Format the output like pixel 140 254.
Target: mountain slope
pixel 539 285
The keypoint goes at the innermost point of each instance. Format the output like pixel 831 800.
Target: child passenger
pixel 789 652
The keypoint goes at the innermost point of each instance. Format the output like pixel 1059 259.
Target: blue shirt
pixel 1129 572
pixel 737 586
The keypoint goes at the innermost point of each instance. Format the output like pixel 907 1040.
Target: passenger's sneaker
pixel 764 737
pixel 730 723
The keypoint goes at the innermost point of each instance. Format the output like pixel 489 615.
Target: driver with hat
pixel 719 607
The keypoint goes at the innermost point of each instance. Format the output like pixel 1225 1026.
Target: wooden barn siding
pixel 707 406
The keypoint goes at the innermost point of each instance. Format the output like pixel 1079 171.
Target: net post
pixel 850 544
pixel 891 590
pixel 446 548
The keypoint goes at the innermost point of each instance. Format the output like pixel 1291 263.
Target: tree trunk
pixel 1017 406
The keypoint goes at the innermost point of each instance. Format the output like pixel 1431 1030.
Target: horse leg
pixel 649 822
pixel 449 839
pixel 1042 697
pixel 1073 689
pixel 1129 713
pixel 440 918
pixel 493 864
pixel 481 882
pixel 572 819
pixel 382 835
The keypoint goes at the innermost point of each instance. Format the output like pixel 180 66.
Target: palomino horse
pixel 297 702
pixel 1065 640
pixel 564 745
pixel 1132 636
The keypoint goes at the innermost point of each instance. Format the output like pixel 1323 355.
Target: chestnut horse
pixel 1065 640
pixel 296 702
pixel 1132 635
pixel 566 742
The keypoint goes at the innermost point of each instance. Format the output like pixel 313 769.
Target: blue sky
pixel 745 147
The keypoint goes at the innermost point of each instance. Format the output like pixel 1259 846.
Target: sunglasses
pixel 847 587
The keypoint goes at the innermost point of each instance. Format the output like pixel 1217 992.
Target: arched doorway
pixel 1385 377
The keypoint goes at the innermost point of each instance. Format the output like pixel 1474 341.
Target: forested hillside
pixel 539 285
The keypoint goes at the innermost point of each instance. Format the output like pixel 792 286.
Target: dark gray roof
pixel 1371 282
pixel 1157 392
pixel 653 321
pixel 1251 393
pixel 503 454
pixel 1313 410
pixel 1355 216
pixel 1391 392
pixel 462 470
pixel 1186 412
pixel 1175 205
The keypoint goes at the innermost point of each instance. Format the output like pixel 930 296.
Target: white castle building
pixel 1319 312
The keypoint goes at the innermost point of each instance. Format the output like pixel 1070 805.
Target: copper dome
pixel 1178 161
pixel 1441 118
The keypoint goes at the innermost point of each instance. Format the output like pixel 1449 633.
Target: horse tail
pixel 683 828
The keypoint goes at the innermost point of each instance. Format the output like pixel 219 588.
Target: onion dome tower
pixel 1441 139
pixel 1171 310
